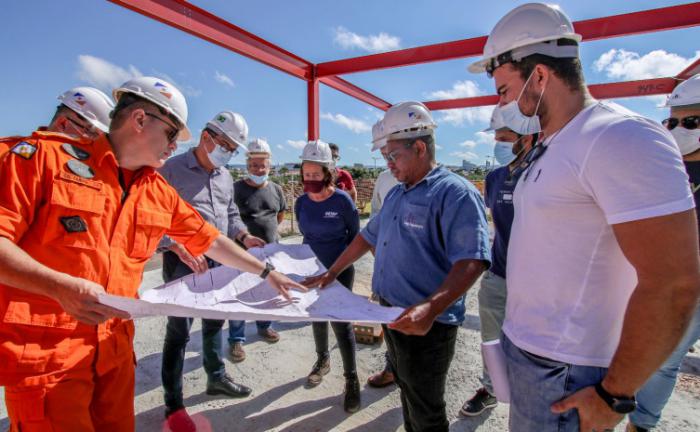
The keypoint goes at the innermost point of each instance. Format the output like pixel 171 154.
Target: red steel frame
pixel 200 23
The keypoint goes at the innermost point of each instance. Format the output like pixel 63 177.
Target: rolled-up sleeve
pixel 465 229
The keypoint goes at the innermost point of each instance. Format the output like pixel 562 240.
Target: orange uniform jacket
pixel 86 227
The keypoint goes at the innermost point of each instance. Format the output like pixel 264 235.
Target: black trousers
pixel 420 365
pixel 344 333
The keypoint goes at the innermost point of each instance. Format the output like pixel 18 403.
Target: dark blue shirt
pixel 420 233
pixel 499 198
pixel 328 226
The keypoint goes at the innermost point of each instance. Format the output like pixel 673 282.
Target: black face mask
pixel 313 186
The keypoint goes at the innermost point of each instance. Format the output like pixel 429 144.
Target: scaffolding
pixel 198 22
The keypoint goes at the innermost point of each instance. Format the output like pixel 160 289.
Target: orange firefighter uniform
pixel 62 201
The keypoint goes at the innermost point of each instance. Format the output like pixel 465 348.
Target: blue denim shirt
pixel 420 233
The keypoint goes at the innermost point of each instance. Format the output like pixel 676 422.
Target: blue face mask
pixel 503 152
pixel 258 180
pixel 220 156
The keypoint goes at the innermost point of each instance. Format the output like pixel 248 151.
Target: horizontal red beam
pixel 356 92
pixel 200 23
pixel 648 87
pixel 666 18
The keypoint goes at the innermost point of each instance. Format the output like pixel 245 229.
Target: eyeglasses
pixel 224 143
pixel 535 153
pixel 391 156
pixel 171 134
pixel 88 130
pixel 690 122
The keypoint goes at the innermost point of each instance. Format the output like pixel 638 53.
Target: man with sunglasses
pixel 201 178
pixel 603 270
pixel 430 240
pixel 83 113
pixel 684 124
pixel 79 219
pixel 499 186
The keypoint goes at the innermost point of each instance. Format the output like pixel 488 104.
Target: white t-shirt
pixel 385 181
pixel 568 281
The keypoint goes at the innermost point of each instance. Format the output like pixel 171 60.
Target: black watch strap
pixel 268 268
pixel 619 404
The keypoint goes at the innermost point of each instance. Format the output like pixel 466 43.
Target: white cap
pixel 161 93
pixel 90 104
pixel 531 28
pixel 259 147
pixel 231 124
pixel 403 120
pixel 317 151
pixel 685 93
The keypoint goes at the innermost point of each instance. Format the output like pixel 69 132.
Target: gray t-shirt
pixel 259 208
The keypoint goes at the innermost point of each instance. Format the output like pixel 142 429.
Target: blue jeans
pixel 536 383
pixel 236 330
pixel 652 398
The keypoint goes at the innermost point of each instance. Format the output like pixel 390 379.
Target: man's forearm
pixel 358 247
pixel 228 253
pixel 461 277
pixel 654 322
pixel 21 271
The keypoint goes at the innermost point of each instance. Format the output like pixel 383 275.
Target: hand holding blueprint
pixel 226 293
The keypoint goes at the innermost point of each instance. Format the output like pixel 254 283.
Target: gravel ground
pixel 277 372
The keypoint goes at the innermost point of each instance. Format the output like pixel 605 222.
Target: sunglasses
pixel 690 122
pixel 535 153
pixel 89 130
pixel 171 134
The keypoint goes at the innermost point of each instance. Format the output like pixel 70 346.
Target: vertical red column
pixel 312 106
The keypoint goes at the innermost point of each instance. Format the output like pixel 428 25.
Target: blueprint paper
pixel 225 293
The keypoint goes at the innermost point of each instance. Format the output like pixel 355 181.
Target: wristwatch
pixel 619 404
pixel 268 268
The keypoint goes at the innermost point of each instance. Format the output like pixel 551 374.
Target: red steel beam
pixel 648 87
pixel 356 92
pixel 691 70
pixel 312 106
pixel 200 23
pixel 666 18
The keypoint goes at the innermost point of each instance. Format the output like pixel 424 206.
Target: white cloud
pixel 629 65
pixel 439 147
pixel 484 137
pixel 468 144
pixel 103 74
pixel 460 116
pixel 355 125
pixel 224 79
pixel 280 146
pixel 372 43
pixel 469 156
pixel 297 144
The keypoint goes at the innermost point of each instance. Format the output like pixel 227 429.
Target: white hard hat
pixel 378 134
pixel 317 151
pixel 496 120
pixel 404 120
pixel 161 93
pixel 259 147
pixel 532 28
pixel 685 93
pixel 231 124
pixel 91 104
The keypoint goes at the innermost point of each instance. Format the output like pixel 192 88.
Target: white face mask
pixel 688 140
pixel 503 152
pixel 518 122
pixel 220 156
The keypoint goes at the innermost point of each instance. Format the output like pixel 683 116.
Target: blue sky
pixel 49 46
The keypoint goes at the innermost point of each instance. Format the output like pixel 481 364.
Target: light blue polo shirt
pixel 420 233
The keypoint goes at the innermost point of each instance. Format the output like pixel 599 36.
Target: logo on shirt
pixel 330 215
pixel 410 221
pixel 24 149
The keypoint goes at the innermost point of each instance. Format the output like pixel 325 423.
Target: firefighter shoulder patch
pixel 24 149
